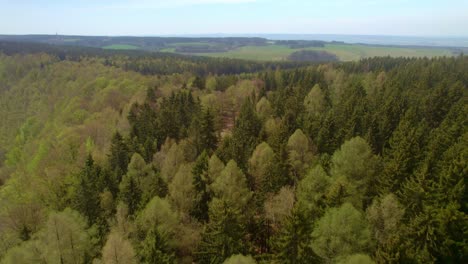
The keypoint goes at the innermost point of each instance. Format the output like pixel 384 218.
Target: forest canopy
pixel 133 157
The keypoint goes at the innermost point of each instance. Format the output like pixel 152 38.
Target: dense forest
pixel 127 157
pixel 145 43
pixel 312 55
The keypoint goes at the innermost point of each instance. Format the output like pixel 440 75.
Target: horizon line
pixel 232 34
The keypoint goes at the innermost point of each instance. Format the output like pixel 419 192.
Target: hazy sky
pixel 160 17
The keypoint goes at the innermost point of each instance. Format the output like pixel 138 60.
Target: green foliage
pixel 264 108
pixel 385 216
pixel 231 186
pixel 86 196
pixel 240 259
pixel 245 134
pixel 199 83
pixel 175 115
pixel 215 167
pixel 118 250
pixel 300 153
pixel 260 165
pixel 200 183
pixel 119 156
pixel 65 238
pixel 181 189
pixel 155 249
pixel 130 193
pixel 385 135
pixel 140 184
pixel 158 214
pixel 224 234
pixel 203 132
pixel 292 244
pixel 356 162
pixel 314 102
pixel 279 208
pixel 280 173
pixel 27 252
pixel 404 152
pixel 357 259
pixel 311 192
pixel 340 232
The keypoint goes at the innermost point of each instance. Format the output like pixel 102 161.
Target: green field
pixel 345 52
pixel 121 47
pixel 191 44
pixel 272 52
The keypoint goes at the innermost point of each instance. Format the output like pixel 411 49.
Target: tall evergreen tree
pixel 201 183
pixel 224 235
pixel 155 249
pixel 130 193
pixel 86 198
pixel 245 134
pixel 292 244
pixel 404 153
pixel 119 156
pixel 203 132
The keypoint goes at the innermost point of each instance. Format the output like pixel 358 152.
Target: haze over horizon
pixel 200 17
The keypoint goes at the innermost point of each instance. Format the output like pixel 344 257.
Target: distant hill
pixel 268 48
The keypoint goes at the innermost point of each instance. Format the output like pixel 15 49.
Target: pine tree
pixel 119 156
pixel 245 134
pixel 203 132
pixel 326 138
pixel 224 235
pixel 208 139
pixel 86 198
pixel 404 153
pixel 292 244
pixel 155 249
pixel 145 130
pixel 280 173
pixel 199 82
pixel 200 183
pixel 148 182
pixel 130 193
pixel 352 113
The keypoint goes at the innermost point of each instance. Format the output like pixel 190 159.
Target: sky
pixel 179 17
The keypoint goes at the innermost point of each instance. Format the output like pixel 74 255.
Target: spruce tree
pixel 155 249
pixel 245 134
pixel 292 244
pixel 224 234
pixel 86 199
pixel 208 139
pixel 200 183
pixel 119 156
pixel 130 193
pixel 404 153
